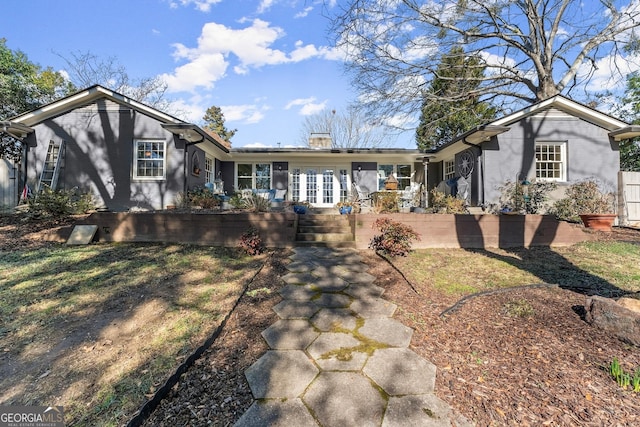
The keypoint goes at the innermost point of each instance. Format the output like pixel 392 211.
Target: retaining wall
pixel 279 229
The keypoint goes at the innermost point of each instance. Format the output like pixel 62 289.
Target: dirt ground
pixel 546 367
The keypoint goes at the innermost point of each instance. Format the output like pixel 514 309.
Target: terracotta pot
pixel 600 222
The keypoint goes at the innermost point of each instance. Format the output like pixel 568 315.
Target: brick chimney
pixel 320 140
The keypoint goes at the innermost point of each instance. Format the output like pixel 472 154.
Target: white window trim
pixel 445 169
pixel 254 177
pixel 164 160
pixel 563 154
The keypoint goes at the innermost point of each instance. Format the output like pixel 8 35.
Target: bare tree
pixel 347 130
pixel 86 69
pixel 530 49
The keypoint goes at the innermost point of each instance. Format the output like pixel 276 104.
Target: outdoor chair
pixel 364 199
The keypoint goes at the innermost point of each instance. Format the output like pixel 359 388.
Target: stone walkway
pixel 337 357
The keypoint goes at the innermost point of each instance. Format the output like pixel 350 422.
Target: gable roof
pixel 618 129
pixel 97 92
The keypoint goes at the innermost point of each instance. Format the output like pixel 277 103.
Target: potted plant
pixel 345 207
pixel 585 200
pixel 300 207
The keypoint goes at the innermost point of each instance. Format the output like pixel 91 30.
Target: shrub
pixel 256 203
pixel 386 202
pixel 60 203
pixel 446 203
pixel 203 197
pixel 251 242
pixel 530 198
pixel 395 238
pixel 583 197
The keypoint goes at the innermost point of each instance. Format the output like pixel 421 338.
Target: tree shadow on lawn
pixel 84 332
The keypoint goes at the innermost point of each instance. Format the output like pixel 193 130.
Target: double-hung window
pixel 254 176
pixel 149 160
pixel 551 161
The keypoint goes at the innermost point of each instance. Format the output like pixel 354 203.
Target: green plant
pixel 583 197
pixel 445 203
pixel 395 238
pixel 524 196
pixel 60 203
pixel 386 202
pixel 623 378
pixel 203 197
pixel 256 203
pixel 251 242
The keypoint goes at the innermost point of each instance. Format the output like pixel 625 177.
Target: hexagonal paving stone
pixel 329 319
pixel 421 410
pixel 387 331
pixel 297 292
pixel 298 278
pixel 295 334
pixel 356 276
pixel 400 371
pixel 345 399
pixel 333 300
pixel 328 283
pixel 280 374
pixel 291 309
pixel 364 291
pixel 373 307
pixel 276 413
pixel 326 352
pixel 300 266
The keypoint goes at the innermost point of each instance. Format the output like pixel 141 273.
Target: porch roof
pixel 16 130
pixel 298 153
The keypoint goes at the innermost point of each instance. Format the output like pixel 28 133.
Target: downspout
pixel 480 164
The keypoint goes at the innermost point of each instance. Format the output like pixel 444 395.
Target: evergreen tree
pixel 630 111
pixel 451 104
pixel 214 122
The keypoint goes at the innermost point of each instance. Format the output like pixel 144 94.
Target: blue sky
pixel 267 63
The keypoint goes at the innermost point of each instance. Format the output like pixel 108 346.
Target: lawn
pixel 99 328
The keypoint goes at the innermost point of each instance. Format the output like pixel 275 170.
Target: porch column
pixel 425 163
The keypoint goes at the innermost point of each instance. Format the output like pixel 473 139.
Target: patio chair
pixel 363 198
pixel 409 194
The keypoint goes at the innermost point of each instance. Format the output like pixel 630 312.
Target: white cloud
pixel 201 5
pixel 201 72
pixel 265 5
pixel 308 106
pixel 609 73
pixel 251 47
pixel 304 13
pixel 247 113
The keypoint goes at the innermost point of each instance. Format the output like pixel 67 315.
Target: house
pixel 131 156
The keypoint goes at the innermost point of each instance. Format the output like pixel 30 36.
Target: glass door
pixel 315 184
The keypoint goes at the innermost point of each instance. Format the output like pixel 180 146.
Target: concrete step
pixel 324 237
pixel 324 229
pixel 350 244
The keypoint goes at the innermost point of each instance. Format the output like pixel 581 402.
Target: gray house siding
pixel 99 154
pixel 511 156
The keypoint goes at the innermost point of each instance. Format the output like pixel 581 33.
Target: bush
pixel 60 203
pixel 251 242
pixel 396 238
pixel 386 202
pixel 583 197
pixel 257 203
pixel 446 203
pixel 202 197
pixel 531 198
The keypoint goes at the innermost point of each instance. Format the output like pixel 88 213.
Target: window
pixel 149 159
pixel 256 176
pixel 208 169
pixel 401 172
pixel 551 161
pixel 295 185
pixel 449 169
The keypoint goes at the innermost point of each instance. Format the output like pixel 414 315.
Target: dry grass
pixel 98 328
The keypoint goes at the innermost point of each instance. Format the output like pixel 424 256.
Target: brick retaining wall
pixel 279 229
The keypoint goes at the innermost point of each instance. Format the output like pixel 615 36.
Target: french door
pixel 315 184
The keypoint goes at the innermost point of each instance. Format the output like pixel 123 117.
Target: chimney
pixel 320 140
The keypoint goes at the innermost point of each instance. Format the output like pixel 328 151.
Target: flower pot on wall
pixel 345 210
pixel 599 222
